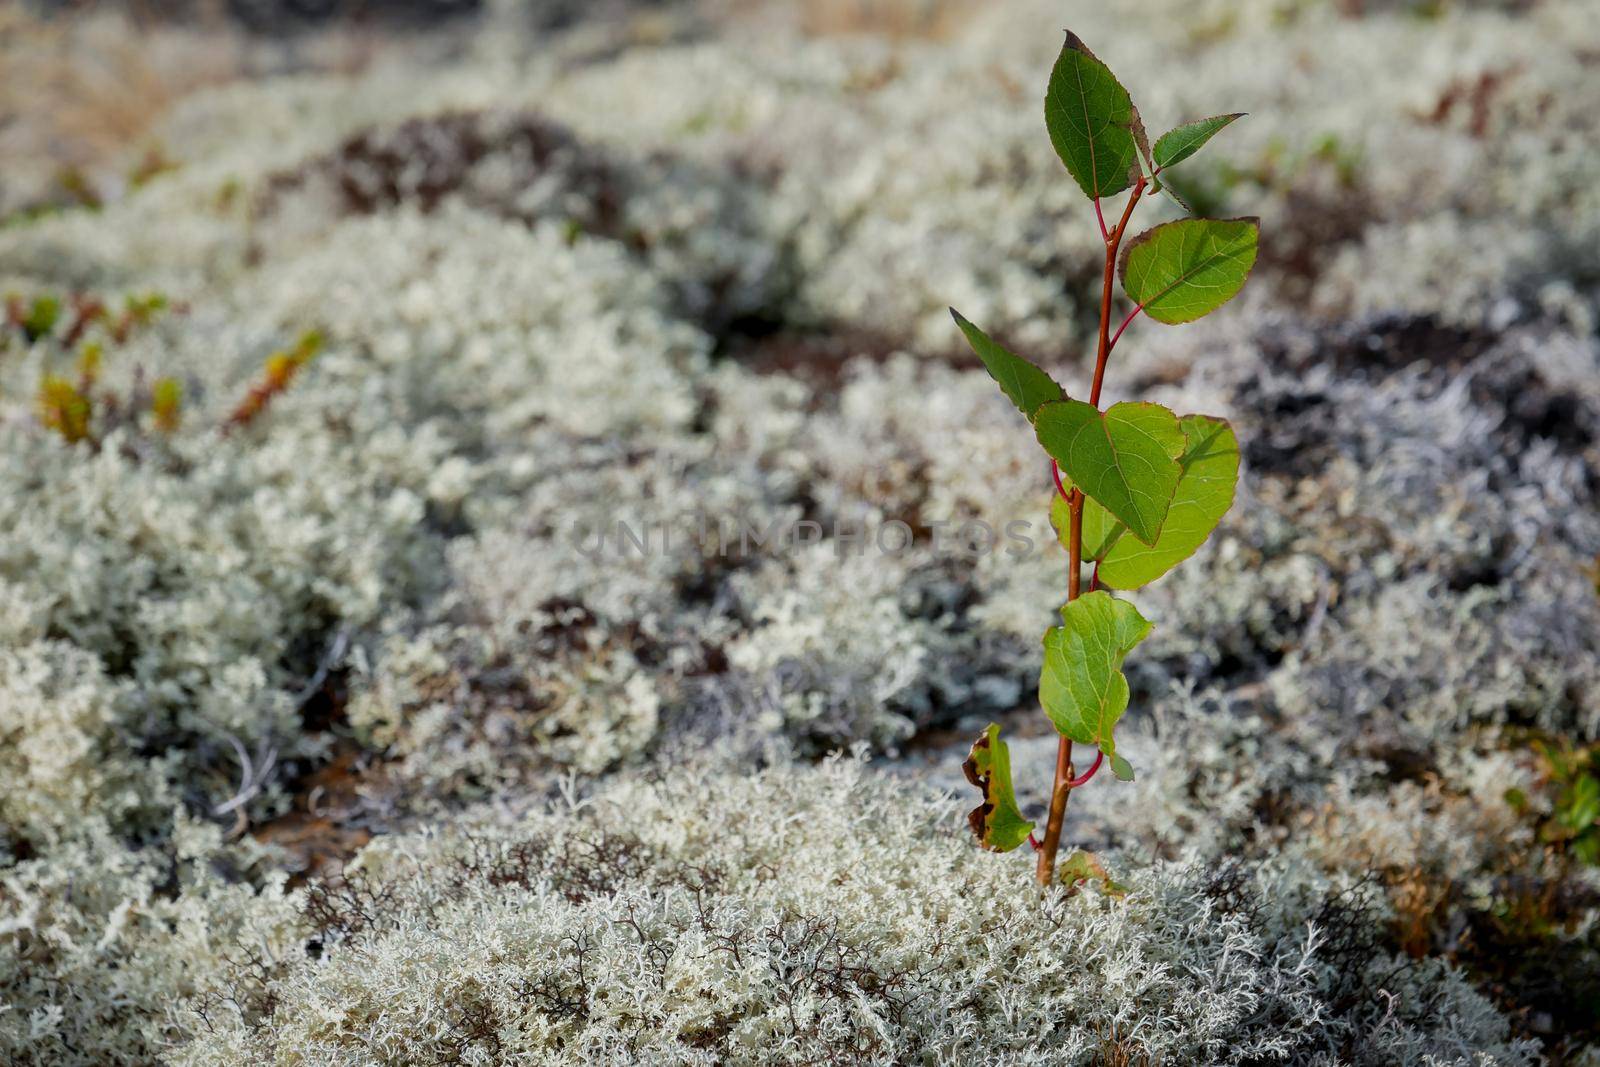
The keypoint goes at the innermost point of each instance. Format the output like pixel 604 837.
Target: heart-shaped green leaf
pixel 1182 270
pixel 1210 464
pixel 1082 687
pixel 1092 122
pixel 1177 145
pixel 1028 387
pixel 1125 458
pixel 997 822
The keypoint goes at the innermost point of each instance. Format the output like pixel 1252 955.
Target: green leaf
pixel 1084 866
pixel 42 316
pixel 1177 145
pixel 997 822
pixel 1587 849
pixel 1173 195
pixel 1100 528
pixel 1579 806
pixel 1126 458
pixel 1210 464
pixel 1092 122
pixel 1028 387
pixel 1082 687
pixel 1182 270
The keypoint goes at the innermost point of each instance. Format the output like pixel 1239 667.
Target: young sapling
pixel 1138 488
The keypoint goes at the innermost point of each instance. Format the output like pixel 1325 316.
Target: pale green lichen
pixel 803 915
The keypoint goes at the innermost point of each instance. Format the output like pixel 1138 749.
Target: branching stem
pixel 1099 758
pixel 1113 244
pixel 1064 777
pixel 1131 315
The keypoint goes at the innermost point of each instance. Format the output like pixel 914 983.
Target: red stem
pixel 1064 777
pixel 1113 242
pixel 1105 235
pixel 1118 335
pixel 1055 471
pixel 1099 758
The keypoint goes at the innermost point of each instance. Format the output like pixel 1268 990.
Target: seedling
pixel 64 408
pixel 278 372
pixel 35 319
pixel 166 404
pixel 1138 487
pixel 1572 773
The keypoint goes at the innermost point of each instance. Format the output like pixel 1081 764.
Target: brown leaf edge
pixel 978 819
pixel 1081 867
pixel 1140 238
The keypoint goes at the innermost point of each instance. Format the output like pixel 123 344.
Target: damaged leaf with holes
pixel 997 822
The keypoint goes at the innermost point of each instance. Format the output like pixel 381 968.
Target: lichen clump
pixel 774 924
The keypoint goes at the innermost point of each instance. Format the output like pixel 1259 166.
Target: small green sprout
pixel 166 404
pixel 90 358
pixel 279 370
pixel 41 317
pixel 78 188
pixel 1573 773
pixel 137 311
pixel 1138 487
pixel 228 194
pixel 64 408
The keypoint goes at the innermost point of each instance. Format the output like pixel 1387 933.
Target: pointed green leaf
pixel 1028 387
pixel 1182 270
pixel 1173 195
pixel 1082 687
pixel 997 822
pixel 1092 122
pixel 42 316
pixel 1177 145
pixel 1210 464
pixel 1126 458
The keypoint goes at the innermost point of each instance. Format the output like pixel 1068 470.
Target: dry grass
pixel 899 19
pixel 79 92
pixel 891 18
pixel 1419 905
